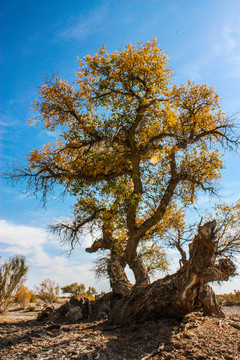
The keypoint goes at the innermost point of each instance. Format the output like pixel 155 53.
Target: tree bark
pixel 140 272
pixel 173 296
pixel 183 292
pixel 115 264
pixel 118 278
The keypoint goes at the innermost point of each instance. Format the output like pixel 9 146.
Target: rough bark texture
pixel 139 270
pixel 181 293
pixel 115 264
pixel 117 276
pixel 173 296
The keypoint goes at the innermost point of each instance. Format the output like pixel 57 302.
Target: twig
pixel 154 352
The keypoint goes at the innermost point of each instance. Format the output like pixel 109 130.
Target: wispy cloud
pixel 24 237
pixel 228 47
pixel 7 121
pixel 221 51
pixel 229 40
pixel 85 26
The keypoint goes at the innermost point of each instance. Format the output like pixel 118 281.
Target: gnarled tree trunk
pixel 183 292
pixel 173 296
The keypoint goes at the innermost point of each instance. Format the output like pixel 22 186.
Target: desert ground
pixel 195 337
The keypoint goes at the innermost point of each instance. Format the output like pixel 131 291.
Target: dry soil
pixel 196 337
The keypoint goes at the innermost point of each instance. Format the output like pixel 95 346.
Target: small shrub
pixel 48 291
pixel 12 275
pixel 75 289
pixel 24 296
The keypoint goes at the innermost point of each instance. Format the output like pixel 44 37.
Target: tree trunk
pixel 115 265
pixel 140 272
pixel 118 278
pixel 183 292
pixel 173 296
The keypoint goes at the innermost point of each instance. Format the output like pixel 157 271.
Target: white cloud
pixel 219 49
pixel 23 237
pixel 42 256
pixel 7 121
pixel 13 250
pixel 64 271
pixel 227 287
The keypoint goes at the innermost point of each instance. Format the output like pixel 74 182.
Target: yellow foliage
pixel 24 296
pixel 128 136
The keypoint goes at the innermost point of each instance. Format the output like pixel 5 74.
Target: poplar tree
pixel 136 150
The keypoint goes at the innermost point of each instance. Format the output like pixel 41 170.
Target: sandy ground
pixel 196 337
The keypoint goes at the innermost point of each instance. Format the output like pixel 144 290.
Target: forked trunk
pixel 173 296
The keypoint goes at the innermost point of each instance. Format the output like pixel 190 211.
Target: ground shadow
pixel 96 340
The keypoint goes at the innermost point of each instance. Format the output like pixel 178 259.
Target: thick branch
pixel 162 207
pixel 221 271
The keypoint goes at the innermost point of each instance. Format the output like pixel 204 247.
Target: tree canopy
pixel 134 148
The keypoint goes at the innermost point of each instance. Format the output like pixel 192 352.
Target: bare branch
pixel 71 231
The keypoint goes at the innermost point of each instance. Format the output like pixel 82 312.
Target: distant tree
pixel 78 290
pixel 228 231
pixel 12 275
pixel 154 257
pixel 74 289
pixel 48 291
pixel 91 291
pixel 227 234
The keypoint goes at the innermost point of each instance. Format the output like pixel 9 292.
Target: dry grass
pixel 229 299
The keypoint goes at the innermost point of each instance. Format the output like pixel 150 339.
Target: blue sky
pixel 39 38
